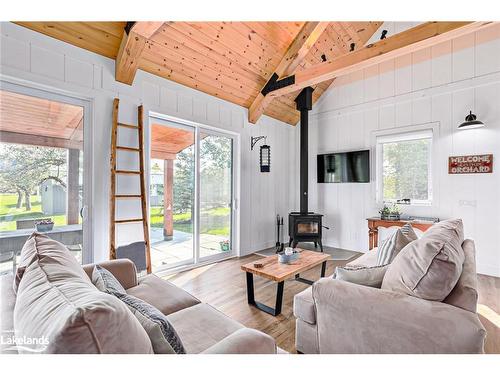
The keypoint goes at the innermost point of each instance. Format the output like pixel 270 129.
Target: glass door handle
pixel 83 212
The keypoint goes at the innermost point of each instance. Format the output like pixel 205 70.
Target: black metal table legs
pixel 251 297
pixel 279 292
pixel 310 282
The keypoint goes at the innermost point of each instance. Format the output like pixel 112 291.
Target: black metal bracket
pixel 255 140
pixel 383 35
pixel 275 84
pixel 129 26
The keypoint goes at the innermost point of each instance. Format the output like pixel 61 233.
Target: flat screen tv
pixel 351 166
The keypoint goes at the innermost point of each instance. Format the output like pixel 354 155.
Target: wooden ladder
pixel 140 172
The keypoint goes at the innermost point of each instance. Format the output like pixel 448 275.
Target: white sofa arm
pixel 353 318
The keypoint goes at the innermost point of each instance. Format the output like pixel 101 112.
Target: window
pixel 43 171
pixel 404 167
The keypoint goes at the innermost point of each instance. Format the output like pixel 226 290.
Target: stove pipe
pixel 304 105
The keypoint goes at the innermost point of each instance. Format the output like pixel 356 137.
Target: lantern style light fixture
pixel 471 122
pixel 265 154
pixel 265 158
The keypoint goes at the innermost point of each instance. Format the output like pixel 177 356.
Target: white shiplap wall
pixel 39 60
pixel 438 84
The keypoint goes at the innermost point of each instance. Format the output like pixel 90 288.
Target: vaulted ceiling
pixel 229 60
pixel 261 66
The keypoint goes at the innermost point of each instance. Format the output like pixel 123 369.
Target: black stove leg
pixel 320 245
pixel 315 245
pixel 290 242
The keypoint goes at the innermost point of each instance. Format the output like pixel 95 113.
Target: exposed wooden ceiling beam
pixel 411 40
pixel 297 51
pixel 131 47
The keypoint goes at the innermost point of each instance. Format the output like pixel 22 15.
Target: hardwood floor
pixel 223 286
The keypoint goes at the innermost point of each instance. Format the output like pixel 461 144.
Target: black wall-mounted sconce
pixel 265 154
pixel 471 122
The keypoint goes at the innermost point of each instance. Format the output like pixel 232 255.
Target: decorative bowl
pixel 283 258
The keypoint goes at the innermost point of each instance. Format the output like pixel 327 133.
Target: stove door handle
pixel 326 227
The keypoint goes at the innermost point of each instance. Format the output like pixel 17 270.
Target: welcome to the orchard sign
pixel 470 164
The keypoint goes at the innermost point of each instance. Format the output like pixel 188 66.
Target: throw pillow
pixel 106 282
pixel 409 232
pixel 164 338
pixel 430 267
pixel 393 245
pixel 368 276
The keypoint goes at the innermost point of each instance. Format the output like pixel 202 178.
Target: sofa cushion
pixel 368 259
pixel 464 295
pixel 430 267
pixel 388 250
pixel 245 341
pixel 163 337
pixel 303 306
pixel 162 294
pixel 202 326
pixel 368 276
pixel 56 300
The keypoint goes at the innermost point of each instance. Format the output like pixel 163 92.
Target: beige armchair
pixel 335 316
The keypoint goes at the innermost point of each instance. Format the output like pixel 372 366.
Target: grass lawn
pixel 9 214
pixel 182 221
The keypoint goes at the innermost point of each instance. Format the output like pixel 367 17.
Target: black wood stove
pixel 304 226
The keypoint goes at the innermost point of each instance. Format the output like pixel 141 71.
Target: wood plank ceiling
pixel 229 60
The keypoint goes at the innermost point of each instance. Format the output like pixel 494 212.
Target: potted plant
pixel 44 225
pixel 224 245
pixel 391 212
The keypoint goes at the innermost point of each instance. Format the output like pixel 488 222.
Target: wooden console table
pixel 375 222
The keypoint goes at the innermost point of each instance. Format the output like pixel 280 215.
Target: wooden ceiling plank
pixel 205 75
pixel 112 28
pixel 146 29
pixel 292 28
pixel 237 43
pixel 187 46
pixel 299 48
pixel 257 40
pixel 351 32
pixel 272 33
pixel 419 37
pixel 167 48
pixel 64 31
pixel 131 48
pixel 237 58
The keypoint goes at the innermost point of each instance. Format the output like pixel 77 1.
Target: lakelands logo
pixel 13 343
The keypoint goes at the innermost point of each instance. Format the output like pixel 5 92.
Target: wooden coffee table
pixel 279 272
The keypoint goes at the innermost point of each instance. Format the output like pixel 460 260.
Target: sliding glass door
pixel 171 194
pixel 43 175
pixel 191 188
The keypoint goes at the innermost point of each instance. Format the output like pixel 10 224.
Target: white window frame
pixel 408 133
